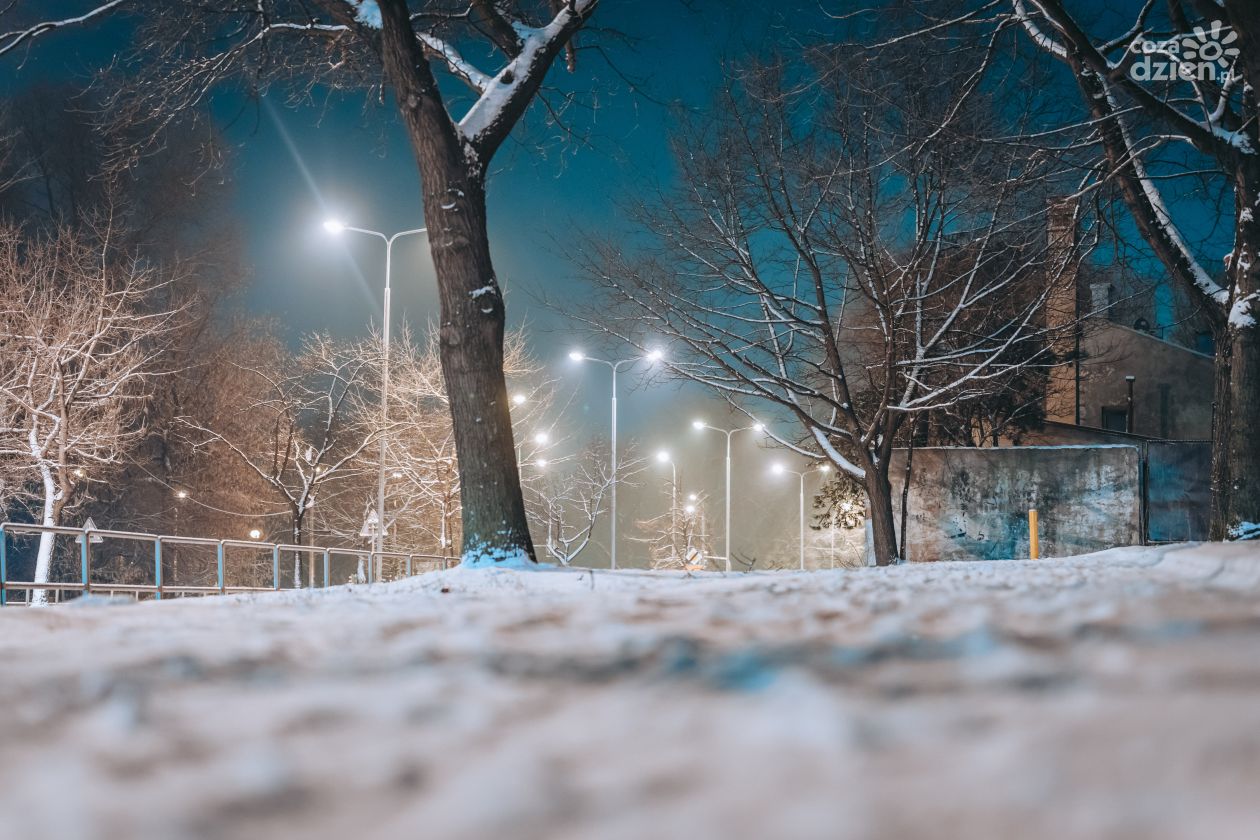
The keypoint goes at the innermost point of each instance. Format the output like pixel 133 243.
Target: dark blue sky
pixel 292 167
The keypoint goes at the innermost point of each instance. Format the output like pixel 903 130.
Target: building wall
pixel 972 504
pixel 1172 388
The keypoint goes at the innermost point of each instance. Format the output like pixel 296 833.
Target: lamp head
pixel 181 494
pixel 759 427
pixel 541 438
pixel 698 425
pixel 255 534
pixel 576 355
pixel 690 508
pixel 654 355
pixel 691 497
pixel 663 456
pixel 541 462
pixel 824 468
pixel 334 226
pixel 519 399
pixel 778 469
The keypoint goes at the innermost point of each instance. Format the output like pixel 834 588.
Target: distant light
pixel 78 472
pixel 541 462
pixel 846 506
pixel 663 456
pixel 334 226
pixel 655 355
pixel 398 474
pixel 542 438
pixel 778 469
pixel 698 424
pixel 255 534
pixel 519 399
pixel 759 427
pixel 691 497
pixel 825 468
pixel 576 356
pixel 181 494
pixel 690 508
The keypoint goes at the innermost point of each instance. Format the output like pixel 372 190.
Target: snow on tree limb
pixel 10 41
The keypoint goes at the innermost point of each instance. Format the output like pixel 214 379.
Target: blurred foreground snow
pixel 1115 695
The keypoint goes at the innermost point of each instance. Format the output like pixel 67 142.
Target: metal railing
pixel 373 563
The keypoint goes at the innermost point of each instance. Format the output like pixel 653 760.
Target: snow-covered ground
pixel 1115 695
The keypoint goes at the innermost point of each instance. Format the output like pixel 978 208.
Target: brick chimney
pixel 1062 270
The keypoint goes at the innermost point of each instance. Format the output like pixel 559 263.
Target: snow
pixel 367 13
pixel 1110 695
pixel 1241 313
pixel 484 290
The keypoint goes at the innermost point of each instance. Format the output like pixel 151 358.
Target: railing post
pixel 218 560
pixel 85 562
pixel 327 567
pixel 275 567
pixel 157 567
pixel 409 556
pixel 4 566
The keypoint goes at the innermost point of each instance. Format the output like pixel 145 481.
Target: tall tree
pixel 80 347
pixel 1168 103
pixel 417 46
pixel 847 263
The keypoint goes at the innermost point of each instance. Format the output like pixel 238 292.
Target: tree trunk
pixel 43 557
pixel 495 530
pixel 883 527
pixel 1238 513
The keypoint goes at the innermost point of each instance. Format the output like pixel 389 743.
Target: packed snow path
pixel 1115 695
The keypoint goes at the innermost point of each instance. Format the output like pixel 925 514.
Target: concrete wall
pixel 1178 490
pixel 972 504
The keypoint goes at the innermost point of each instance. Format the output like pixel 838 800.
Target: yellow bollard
pixel 1034 544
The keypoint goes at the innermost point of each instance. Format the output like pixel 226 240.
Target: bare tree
pixel 1168 108
pixel 572 497
pixel 679 537
pixel 79 350
pixel 849 263
pixel 416 47
pixel 28 26
pixel 1209 107
pixel 299 431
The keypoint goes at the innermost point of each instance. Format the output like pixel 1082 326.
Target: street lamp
pixel 779 469
pixel 664 457
pixel 337 227
pixel 519 399
pixel 255 534
pixel 700 426
pixel 651 356
pixel 541 438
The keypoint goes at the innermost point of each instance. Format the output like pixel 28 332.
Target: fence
pixel 372 563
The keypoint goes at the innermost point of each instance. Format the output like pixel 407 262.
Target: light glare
pixel 334 226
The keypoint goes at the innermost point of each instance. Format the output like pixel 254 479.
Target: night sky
pixel 341 156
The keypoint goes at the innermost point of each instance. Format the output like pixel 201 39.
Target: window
pixel 1115 419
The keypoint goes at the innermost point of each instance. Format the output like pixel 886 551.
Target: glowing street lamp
pixel 779 469
pixel 336 227
pixel 651 357
pixel 255 534
pixel 519 399
pixel 700 426
pixel 542 438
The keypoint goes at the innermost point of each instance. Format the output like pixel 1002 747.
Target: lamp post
pixel 664 457
pixel 579 356
pixel 700 425
pixel 336 227
pixel 779 469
